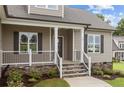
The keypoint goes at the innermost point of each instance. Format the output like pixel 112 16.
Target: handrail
pixel 87 58
pixel 83 58
pixel 89 63
pixel 59 64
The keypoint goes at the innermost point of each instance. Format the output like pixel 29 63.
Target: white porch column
pixel 55 43
pixel 73 54
pixel 82 43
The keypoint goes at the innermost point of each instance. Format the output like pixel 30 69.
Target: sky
pixel 112 12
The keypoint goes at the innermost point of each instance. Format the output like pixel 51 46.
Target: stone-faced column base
pixel 102 65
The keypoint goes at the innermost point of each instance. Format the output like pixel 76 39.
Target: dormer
pixel 49 10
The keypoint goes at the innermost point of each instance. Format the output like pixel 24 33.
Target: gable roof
pixel 71 15
pixel 114 46
pixel 115 42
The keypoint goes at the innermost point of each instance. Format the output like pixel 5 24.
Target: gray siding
pixel 42 11
pixel 77 40
pixel 8 30
pixel 107 55
pixel 8 43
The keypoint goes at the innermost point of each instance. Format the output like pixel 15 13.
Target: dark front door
pixel 60 42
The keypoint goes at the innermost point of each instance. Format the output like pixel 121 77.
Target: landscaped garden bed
pixel 32 77
pixel 114 76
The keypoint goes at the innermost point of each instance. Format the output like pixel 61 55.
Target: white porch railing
pixel 87 62
pixel 86 59
pixel 59 64
pixel 27 58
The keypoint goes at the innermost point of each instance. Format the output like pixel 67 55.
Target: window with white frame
pixel 121 45
pixel 93 43
pixel 52 7
pixel 28 41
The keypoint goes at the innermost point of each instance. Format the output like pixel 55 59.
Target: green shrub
pixel 108 71
pixel 35 73
pixel 97 71
pixel 106 76
pixel 97 68
pixel 52 73
pixel 15 78
pixel 100 73
pixel 121 74
pixel 116 72
pixel 115 60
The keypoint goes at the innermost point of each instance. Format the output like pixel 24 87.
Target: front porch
pixel 44 45
pixel 47 41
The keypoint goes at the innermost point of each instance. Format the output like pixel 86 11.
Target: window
pixel 52 7
pixel 121 45
pixel 28 41
pixel 94 43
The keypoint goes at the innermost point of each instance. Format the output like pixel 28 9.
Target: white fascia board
pixel 40 23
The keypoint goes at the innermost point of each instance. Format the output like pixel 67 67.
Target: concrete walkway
pixel 86 81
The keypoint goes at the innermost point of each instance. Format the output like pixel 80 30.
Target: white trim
pixel 62 11
pixel 27 51
pixel 28 40
pixel 46 7
pixel 118 51
pixel 46 62
pixel 62 46
pixel 82 43
pixel 56 43
pixel 50 43
pixel 94 35
pixel 28 9
pixel 40 23
pixel 22 63
pixel 27 63
pixel 73 47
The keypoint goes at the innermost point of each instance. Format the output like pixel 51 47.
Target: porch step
pixel 75 74
pixel 73 67
pixel 72 64
pixel 74 70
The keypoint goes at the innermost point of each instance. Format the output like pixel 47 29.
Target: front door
pixel 60 46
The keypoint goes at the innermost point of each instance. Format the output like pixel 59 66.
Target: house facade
pixel 118 47
pixel 53 35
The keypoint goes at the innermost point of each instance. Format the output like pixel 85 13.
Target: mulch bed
pixel 26 77
pixel 102 78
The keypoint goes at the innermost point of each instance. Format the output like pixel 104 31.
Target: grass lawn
pixel 118 82
pixel 118 66
pixel 52 83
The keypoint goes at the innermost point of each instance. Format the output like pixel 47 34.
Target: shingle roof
pixel 115 42
pixel 71 15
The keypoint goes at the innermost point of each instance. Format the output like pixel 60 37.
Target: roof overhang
pixel 13 21
pixel 100 29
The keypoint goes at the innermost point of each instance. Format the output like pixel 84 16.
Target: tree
pixel 101 17
pixel 120 28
